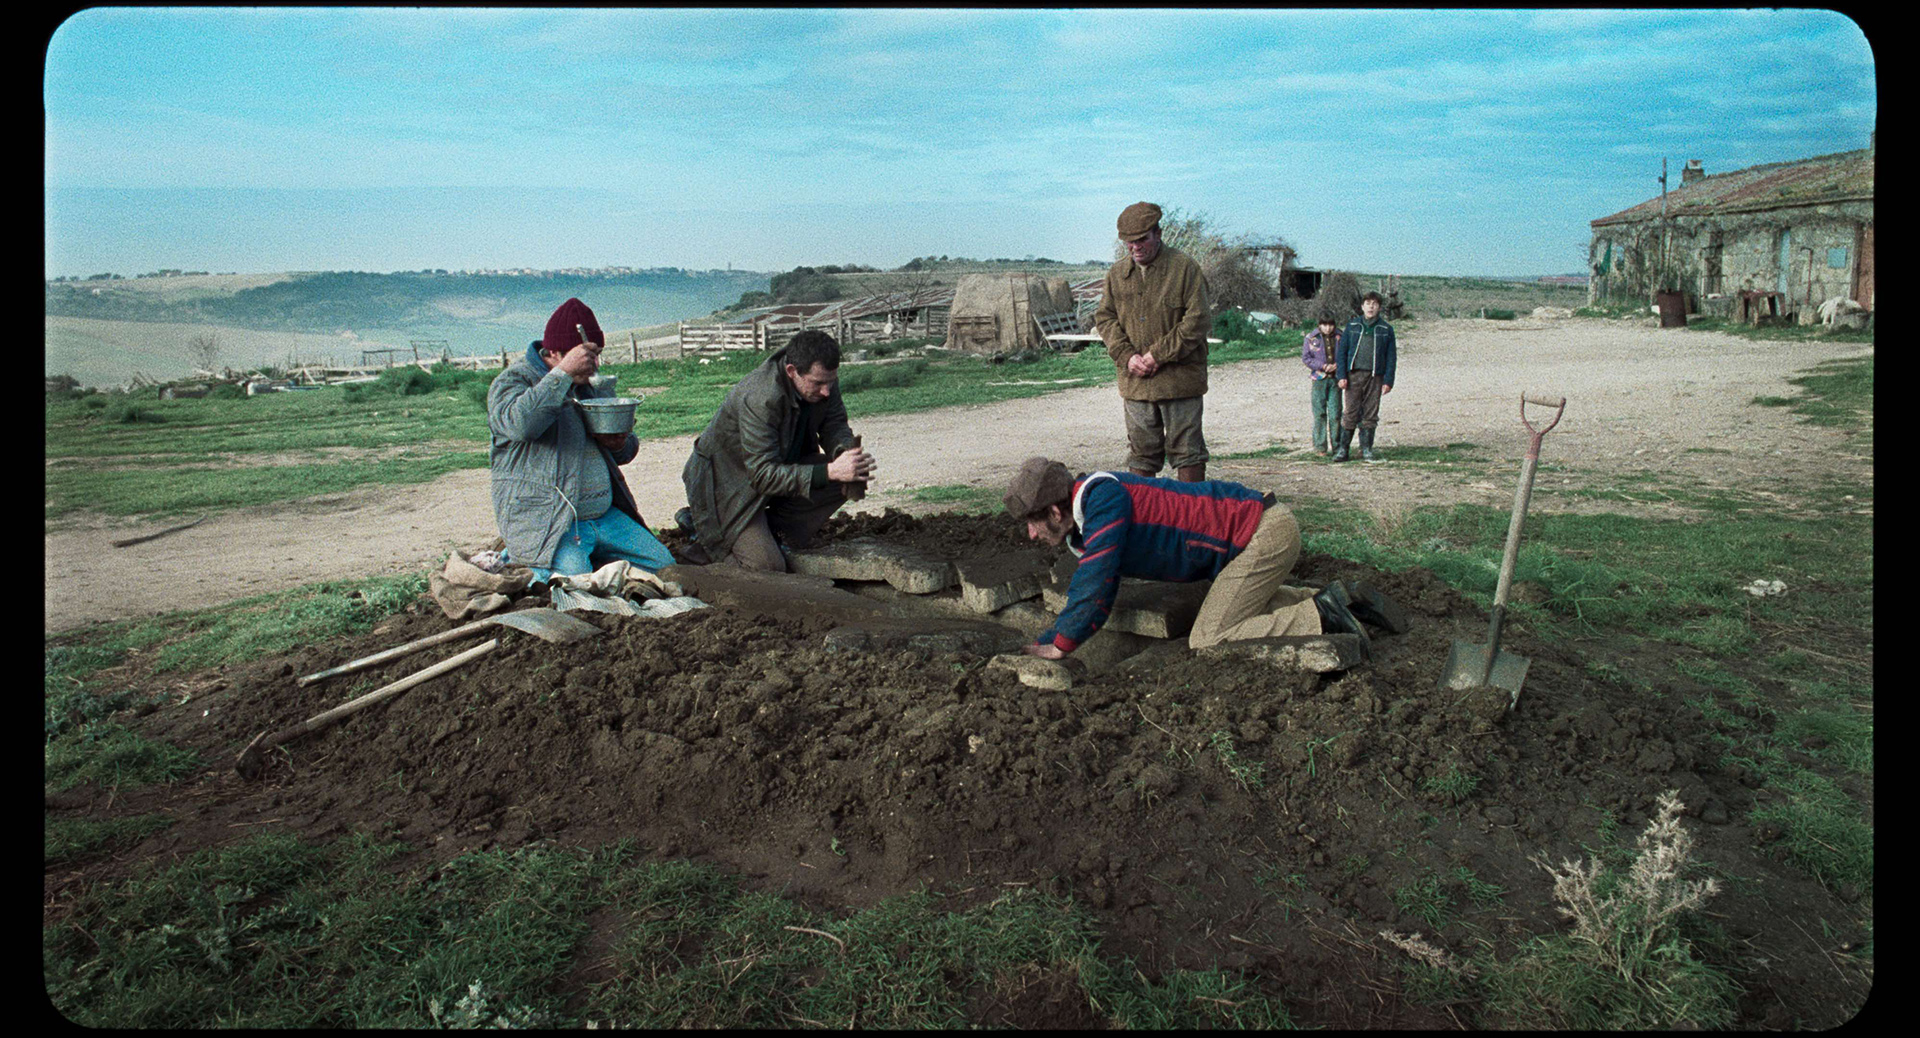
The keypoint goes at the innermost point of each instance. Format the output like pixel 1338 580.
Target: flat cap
pixel 1137 219
pixel 1039 483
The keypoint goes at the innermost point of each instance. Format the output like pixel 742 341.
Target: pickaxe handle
pixel 396 652
pixel 249 763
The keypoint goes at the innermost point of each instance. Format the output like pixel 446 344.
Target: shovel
pixel 546 624
pixel 1468 664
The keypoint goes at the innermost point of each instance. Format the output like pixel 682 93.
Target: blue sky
pixel 1421 142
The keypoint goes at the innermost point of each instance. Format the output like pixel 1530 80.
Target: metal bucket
pixel 609 414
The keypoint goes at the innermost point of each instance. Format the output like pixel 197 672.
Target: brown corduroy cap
pixel 1039 483
pixel 1137 219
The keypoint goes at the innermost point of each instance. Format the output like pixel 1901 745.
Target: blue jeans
pixel 593 543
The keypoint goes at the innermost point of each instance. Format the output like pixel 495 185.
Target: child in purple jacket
pixel 1323 391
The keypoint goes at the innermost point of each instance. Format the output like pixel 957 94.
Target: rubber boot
pixel 1193 473
pixel 1366 445
pixel 1346 440
pixel 1369 605
pixel 1335 617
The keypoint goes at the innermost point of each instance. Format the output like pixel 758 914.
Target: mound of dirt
pixel 1214 810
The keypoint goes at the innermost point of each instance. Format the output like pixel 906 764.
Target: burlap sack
pixel 464 590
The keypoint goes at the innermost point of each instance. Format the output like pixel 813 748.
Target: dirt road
pixel 1640 399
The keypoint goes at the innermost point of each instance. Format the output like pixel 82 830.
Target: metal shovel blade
pixel 1467 665
pixel 548 625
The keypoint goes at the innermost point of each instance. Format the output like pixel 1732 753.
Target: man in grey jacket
pixel 776 460
pixel 559 499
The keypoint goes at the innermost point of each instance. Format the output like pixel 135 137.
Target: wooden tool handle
pixel 384 692
pixel 395 653
pixel 856 491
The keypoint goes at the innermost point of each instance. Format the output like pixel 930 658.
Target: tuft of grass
pixel 1250 775
pixel 1453 787
pixel 1425 899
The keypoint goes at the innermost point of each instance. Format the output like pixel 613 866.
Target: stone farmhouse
pixel 1779 239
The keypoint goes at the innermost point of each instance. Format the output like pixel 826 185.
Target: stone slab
pixel 899 603
pixel 907 568
pixel 996 582
pixel 1154 608
pixel 1107 648
pixel 1318 653
pixel 1029 618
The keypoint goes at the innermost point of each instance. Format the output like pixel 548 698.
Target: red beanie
pixel 561 336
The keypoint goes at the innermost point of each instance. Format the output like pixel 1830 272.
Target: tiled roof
pixel 1843 177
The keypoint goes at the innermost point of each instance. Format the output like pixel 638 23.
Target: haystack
pixel 1000 313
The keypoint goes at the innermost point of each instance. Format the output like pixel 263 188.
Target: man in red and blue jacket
pixel 1120 524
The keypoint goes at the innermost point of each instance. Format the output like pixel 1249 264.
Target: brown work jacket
pixel 1160 309
pixel 741 459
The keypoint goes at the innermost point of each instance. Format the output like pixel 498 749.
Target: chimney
pixel 1692 173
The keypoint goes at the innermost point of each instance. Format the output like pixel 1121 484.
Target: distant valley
pixel 104 330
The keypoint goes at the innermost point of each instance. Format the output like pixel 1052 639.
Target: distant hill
pixel 473 313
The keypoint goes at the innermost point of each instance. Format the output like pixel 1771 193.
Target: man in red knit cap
pixel 559 498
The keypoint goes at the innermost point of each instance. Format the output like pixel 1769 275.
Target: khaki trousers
pixel 1164 432
pixel 1248 600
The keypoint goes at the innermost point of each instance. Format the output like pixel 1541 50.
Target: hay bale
pixel 1338 298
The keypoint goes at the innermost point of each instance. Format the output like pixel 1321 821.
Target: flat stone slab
pixel 995 582
pixel 1154 608
pixel 900 603
pixel 1316 653
pixel 1046 675
pixel 1029 618
pixel 909 569
pixel 1107 648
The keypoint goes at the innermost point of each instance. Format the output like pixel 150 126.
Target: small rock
pixel 1046 675
pixel 1499 815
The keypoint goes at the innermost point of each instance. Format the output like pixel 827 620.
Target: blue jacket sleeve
pixel 1108 512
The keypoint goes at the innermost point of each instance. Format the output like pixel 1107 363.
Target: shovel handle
pixel 1559 404
pixel 1521 498
pixel 395 653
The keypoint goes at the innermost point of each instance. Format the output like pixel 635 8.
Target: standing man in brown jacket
pixel 1154 318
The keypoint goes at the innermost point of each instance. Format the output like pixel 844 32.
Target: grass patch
pixel 71 839
pixel 1780 332
pixel 112 756
pixel 274 932
pixel 965 497
pixel 1448 454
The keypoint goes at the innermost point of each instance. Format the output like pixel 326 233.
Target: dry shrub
pixel 1338 298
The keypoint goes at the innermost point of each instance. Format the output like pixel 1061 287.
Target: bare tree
pixel 1236 274
pixel 203 351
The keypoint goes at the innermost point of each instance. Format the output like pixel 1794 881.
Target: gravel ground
pixel 1640 400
